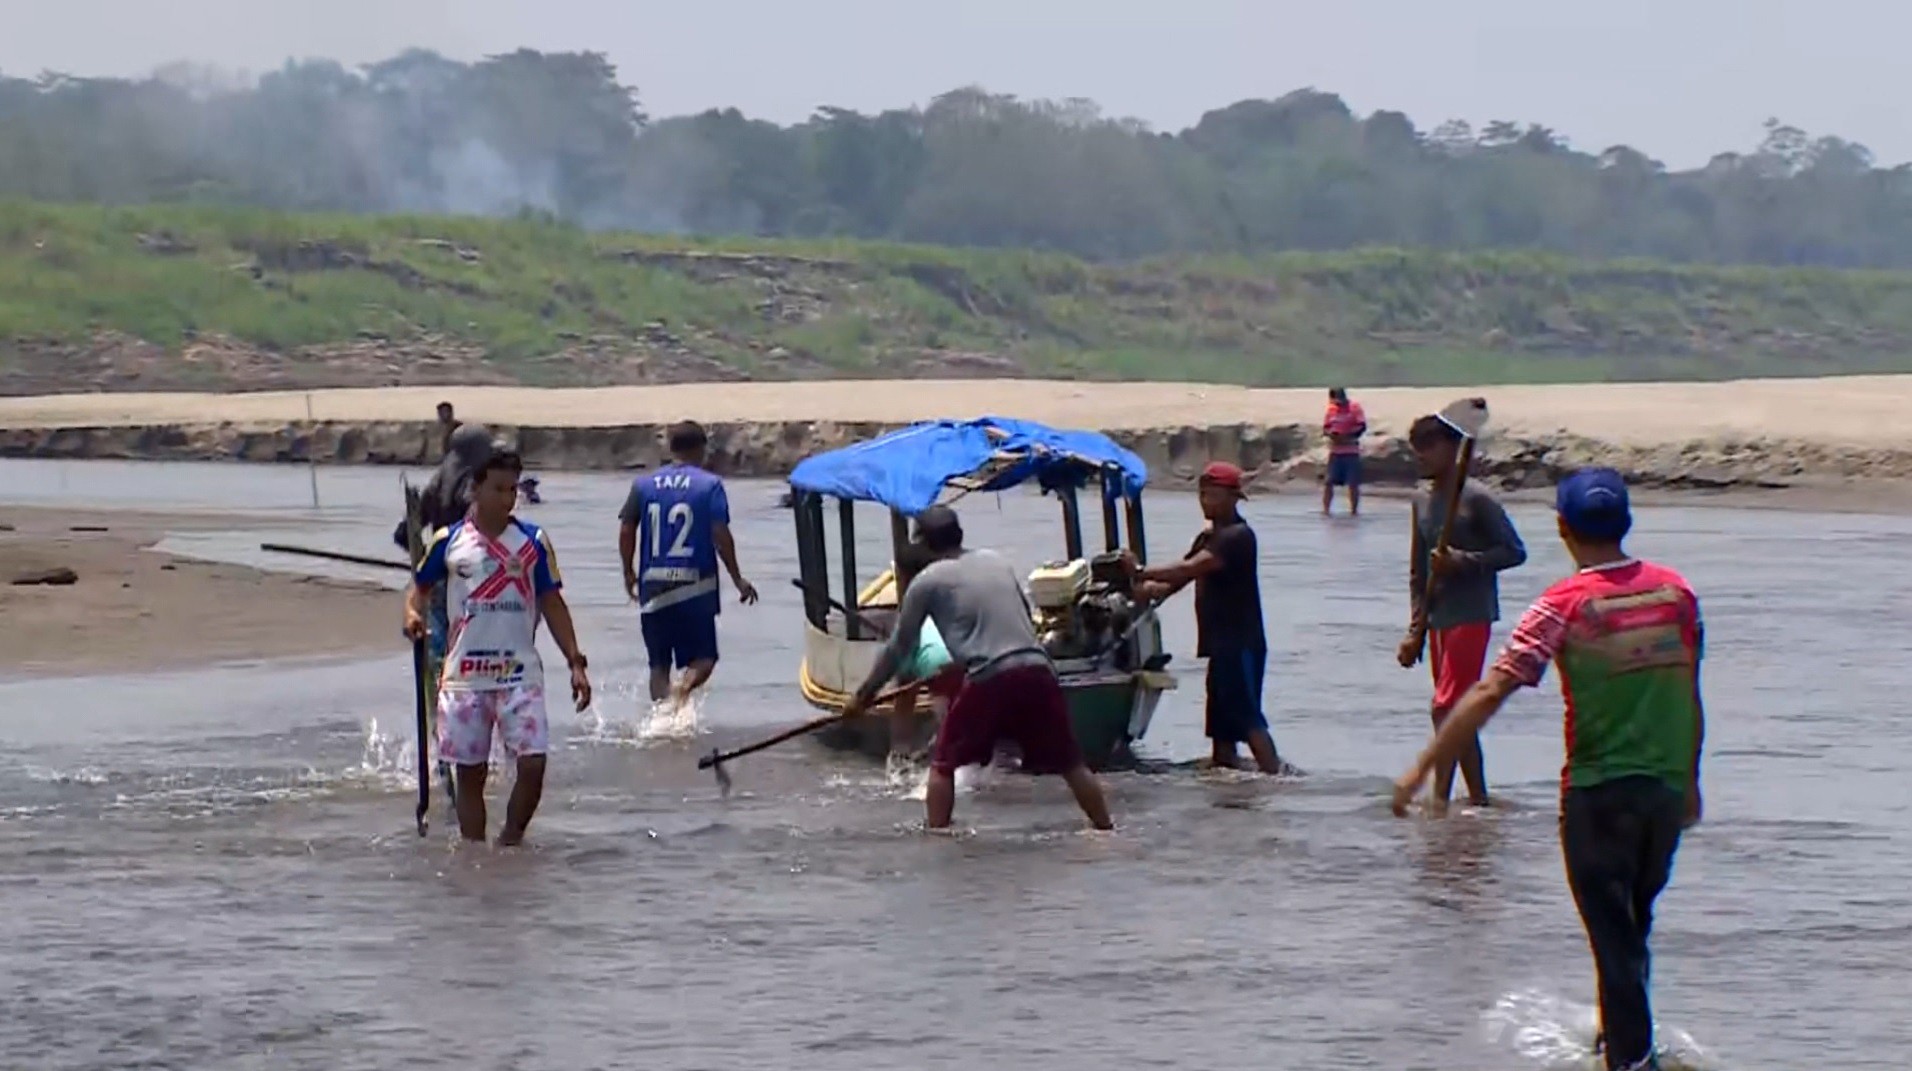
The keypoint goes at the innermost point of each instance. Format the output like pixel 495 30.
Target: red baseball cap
pixel 1223 474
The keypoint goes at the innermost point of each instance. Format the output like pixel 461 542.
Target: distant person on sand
pixel 1223 563
pixel 1344 425
pixel 1628 638
pixel 1010 690
pixel 447 424
pixel 501 578
pixel 680 517
pixel 1454 598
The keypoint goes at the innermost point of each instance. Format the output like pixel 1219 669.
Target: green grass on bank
pixel 524 290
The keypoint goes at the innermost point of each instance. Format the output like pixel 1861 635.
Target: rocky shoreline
pixel 1282 453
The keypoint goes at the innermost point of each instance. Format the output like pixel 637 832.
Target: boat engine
pixel 1082 608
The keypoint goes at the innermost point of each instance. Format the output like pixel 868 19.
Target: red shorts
pixel 1457 655
pixel 1024 705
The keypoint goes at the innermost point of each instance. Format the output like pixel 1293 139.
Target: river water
pixel 216 868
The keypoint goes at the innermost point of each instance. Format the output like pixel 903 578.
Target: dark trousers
pixel 1619 839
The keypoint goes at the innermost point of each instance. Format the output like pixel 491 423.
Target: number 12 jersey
pixel 675 511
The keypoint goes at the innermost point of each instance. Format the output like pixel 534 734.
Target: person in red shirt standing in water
pixel 1344 425
pixel 1628 638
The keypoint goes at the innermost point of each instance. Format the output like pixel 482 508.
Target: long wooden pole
pixel 333 555
pixel 716 759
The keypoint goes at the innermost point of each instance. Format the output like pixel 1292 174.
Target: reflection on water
pixel 216 869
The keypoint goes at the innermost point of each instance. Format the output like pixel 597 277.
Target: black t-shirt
pixel 1228 600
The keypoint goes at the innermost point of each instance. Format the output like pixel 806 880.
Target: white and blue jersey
pixel 492 588
pixel 676 510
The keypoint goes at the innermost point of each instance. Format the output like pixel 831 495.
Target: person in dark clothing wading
pixel 1628 639
pixel 1222 563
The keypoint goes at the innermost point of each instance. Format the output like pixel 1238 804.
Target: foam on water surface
pixel 661 721
pixel 1551 1032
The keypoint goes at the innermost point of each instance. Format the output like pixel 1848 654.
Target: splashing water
pixel 389 757
pixel 1556 1033
pixel 84 775
pixel 661 721
pixel 904 774
pixel 914 780
pixel 666 720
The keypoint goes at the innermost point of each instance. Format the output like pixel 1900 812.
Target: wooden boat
pixel 1107 647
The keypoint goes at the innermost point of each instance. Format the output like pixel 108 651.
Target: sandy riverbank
pixel 1744 434
pixel 132 609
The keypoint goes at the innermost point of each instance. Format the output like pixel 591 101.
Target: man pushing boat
pixel 1223 564
pixel 1009 691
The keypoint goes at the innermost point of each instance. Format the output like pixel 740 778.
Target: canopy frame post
pixel 812 562
pixel 1138 538
pixel 899 538
pixel 1111 527
pixel 846 522
pixel 1071 521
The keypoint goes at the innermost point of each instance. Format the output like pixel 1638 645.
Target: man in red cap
pixel 1222 565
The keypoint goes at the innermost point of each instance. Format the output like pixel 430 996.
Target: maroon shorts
pixel 1023 705
pixel 946 685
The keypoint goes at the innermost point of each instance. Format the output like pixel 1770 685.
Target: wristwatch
pixel 578 661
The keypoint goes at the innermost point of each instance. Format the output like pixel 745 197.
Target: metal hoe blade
pixel 723 775
pixel 1467 416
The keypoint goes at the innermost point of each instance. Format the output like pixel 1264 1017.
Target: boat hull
pixel 1108 711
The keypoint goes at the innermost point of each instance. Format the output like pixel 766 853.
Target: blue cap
pixel 1593 502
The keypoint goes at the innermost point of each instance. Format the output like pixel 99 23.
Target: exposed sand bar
pixel 1855 410
pixel 1749 433
pixel 132 610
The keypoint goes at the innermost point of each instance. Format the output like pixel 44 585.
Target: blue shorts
pixel 1234 696
pixel 1344 470
pixel 681 634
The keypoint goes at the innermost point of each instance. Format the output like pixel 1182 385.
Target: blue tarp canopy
pixel 907 469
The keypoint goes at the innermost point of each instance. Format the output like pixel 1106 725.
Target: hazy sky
pixel 1679 79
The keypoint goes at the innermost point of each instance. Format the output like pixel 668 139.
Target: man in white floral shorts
pixel 500 578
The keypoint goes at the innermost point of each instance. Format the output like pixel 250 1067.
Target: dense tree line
pixel 559 133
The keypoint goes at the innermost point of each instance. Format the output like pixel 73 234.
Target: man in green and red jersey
pixel 1628 637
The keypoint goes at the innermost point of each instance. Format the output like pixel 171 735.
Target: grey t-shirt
pixel 977 603
pixel 1483 530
